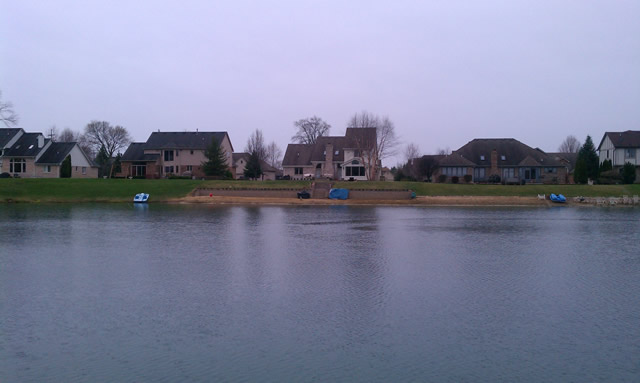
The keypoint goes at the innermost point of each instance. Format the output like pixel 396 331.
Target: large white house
pixel 620 148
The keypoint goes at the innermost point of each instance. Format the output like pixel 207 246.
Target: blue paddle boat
pixel 557 198
pixel 141 198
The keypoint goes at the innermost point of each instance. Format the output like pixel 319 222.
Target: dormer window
pixel 336 152
pixel 503 158
pixel 481 158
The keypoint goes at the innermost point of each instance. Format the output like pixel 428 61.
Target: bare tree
pixel 101 134
pixel 373 151
pixel 411 152
pixel 68 135
pixel 7 115
pixel 309 129
pixel 274 155
pixel 256 143
pixel 570 145
pixel 443 152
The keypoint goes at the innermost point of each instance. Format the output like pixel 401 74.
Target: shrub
pixel 628 173
pixel 494 179
pixel 178 177
pixel 454 179
pixel 442 178
pixel 467 178
pixel 609 177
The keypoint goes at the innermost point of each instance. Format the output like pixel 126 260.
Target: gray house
pixel 508 158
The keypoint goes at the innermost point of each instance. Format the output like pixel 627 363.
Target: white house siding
pixel 606 150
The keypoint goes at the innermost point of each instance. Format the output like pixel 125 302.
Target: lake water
pixel 166 293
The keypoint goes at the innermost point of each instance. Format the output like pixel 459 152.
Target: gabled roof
pixel 298 155
pixel 304 154
pixel 56 153
pixel 6 134
pixel 245 156
pixel 513 151
pixel 454 159
pixel 184 140
pixel 26 146
pixel 135 153
pixel 568 158
pixel 627 139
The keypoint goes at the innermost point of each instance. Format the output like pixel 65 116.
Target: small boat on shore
pixel 141 198
pixel 557 198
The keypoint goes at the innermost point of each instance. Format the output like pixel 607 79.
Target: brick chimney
pixel 494 163
pixel 328 156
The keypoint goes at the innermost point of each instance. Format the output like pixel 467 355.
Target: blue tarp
pixel 557 198
pixel 339 193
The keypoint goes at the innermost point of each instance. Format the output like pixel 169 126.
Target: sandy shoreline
pixel 419 201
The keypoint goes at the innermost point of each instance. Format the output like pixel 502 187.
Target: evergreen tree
pixel 65 168
pixel 102 160
pixel 253 169
pixel 606 166
pixel 587 163
pixel 628 173
pixel 217 160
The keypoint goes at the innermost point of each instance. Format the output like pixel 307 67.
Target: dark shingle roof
pixel 135 152
pixel 245 156
pixel 303 154
pixel 183 140
pixel 569 158
pixel 56 153
pixel 6 134
pixel 515 153
pixel 628 139
pixel 298 155
pixel 26 146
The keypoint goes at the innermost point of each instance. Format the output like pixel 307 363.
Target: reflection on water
pixel 339 293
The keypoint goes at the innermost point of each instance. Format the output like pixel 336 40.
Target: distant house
pixel 172 153
pixel 240 164
pixel 508 158
pixel 620 148
pixel 335 157
pixel 30 155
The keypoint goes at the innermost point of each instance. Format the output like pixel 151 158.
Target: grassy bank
pixel 116 190
pixel 436 189
pixel 123 190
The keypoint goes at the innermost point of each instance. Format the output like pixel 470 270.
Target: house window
pixel 168 155
pixel 139 170
pixel 177 153
pixel 84 170
pixel 336 152
pixel 168 169
pixel 503 158
pixel 177 169
pixel 479 173
pixel 481 158
pixel 297 170
pixel 47 169
pixel 629 153
pixel 17 165
pixel 355 171
pixel 189 168
pixel 550 170
pixel 454 171
pixel 508 173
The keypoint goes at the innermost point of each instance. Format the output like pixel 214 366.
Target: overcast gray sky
pixel 444 71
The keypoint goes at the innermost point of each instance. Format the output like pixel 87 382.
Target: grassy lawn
pixel 116 190
pixel 436 189
pixel 123 190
